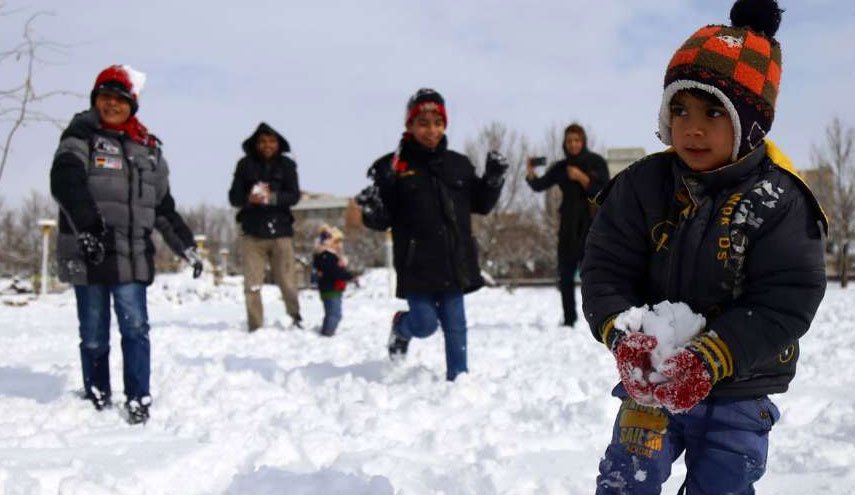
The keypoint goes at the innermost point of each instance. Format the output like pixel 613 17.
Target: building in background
pixel 620 158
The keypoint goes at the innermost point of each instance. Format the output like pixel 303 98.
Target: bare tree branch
pixel 16 103
pixel 834 184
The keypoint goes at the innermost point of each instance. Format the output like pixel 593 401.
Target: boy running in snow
pixel 430 193
pixel 721 222
pixel 330 265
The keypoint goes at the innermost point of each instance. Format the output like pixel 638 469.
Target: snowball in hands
pixel 673 325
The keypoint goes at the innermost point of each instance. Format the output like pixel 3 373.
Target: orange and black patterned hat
pixel 739 64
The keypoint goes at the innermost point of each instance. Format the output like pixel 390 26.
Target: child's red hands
pixel 688 383
pixel 632 354
pixel 693 371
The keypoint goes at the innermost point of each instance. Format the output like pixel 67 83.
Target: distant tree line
pixel 517 239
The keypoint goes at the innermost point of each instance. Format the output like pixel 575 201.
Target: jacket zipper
pixel 130 169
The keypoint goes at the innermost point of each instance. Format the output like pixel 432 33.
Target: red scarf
pixel 134 129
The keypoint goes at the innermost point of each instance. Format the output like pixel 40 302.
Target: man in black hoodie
pixel 265 187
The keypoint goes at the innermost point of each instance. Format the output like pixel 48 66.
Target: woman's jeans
pixel 93 312
pixel 443 308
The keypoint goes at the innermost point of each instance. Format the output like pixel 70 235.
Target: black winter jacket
pixel 742 245
pixel 271 220
pixel 575 200
pixel 103 175
pixel 331 276
pixel 430 200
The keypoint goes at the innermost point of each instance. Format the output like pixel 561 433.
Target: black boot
pixel 297 321
pixel 138 410
pixel 397 345
pixel 99 398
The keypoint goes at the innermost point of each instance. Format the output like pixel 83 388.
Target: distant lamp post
pixel 200 241
pixel 46 225
pixel 222 271
pixel 224 260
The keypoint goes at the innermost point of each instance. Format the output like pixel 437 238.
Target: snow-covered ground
pixel 285 411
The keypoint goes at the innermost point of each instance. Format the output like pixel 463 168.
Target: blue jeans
pixel 428 310
pixel 93 312
pixel 725 441
pixel 332 314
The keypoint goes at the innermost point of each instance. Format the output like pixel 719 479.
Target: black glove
pixel 90 242
pixel 195 261
pixel 495 168
pixel 92 247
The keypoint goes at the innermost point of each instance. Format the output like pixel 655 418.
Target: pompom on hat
pixel 329 234
pixel 739 64
pixel 122 80
pixel 425 100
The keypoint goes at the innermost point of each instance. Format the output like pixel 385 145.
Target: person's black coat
pixel 575 199
pixel 280 172
pixel 742 245
pixel 431 196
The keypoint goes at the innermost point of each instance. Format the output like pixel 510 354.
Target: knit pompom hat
pixel 328 234
pixel 425 100
pixel 739 64
pixel 122 80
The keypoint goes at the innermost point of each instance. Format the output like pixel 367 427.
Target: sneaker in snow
pixel 397 344
pixel 138 410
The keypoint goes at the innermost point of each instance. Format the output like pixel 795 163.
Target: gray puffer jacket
pixel 99 175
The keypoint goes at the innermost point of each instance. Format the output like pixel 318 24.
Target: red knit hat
pixel 425 100
pixel 122 80
pixel 740 65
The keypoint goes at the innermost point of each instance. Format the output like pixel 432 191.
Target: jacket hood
pixel 249 144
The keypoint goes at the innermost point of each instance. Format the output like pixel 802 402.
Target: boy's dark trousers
pixel 725 444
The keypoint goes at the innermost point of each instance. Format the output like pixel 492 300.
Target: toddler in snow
pixel 722 223
pixel 330 266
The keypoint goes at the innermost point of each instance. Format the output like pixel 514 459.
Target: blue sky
pixel 334 76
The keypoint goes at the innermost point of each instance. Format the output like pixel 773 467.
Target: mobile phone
pixel 538 161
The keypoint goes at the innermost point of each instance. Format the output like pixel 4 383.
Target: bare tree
pixel 19 102
pixel 20 238
pixel 514 239
pixel 835 184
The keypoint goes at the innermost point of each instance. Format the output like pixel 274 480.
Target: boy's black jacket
pixel 743 245
pixel 280 172
pixel 430 199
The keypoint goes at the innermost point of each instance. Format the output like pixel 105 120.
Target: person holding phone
pixel 580 176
